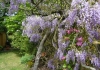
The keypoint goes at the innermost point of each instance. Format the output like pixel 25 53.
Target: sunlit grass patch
pixel 9 60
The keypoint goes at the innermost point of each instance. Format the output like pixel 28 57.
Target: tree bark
pixel 88 67
pixel 38 55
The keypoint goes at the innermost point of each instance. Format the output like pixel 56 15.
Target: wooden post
pixel 2 39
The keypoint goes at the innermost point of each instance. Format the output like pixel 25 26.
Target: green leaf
pixel 64 66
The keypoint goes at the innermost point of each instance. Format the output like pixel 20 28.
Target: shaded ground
pixel 9 60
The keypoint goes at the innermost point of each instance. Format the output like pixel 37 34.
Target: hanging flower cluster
pixel 35 25
pixel 14 5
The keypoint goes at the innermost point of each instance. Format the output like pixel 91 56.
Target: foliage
pixel 13 23
pixel 26 58
pixel 2 9
pixel 22 43
pixel 3 28
pixel 2 15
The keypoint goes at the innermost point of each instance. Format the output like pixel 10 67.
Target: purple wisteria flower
pixel 48 24
pixel 72 16
pixel 13 7
pixel 61 45
pixel 54 24
pixel 67 58
pixel 95 61
pixel 74 3
pixel 35 38
pixel 50 64
pixel 22 1
pixel 70 56
pixel 90 39
pixel 33 24
pixel 81 57
pixel 60 38
pixel 60 53
pixel 86 15
pixel 84 44
pixel 76 66
pixel 31 27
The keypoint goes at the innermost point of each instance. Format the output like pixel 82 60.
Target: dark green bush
pixel 3 28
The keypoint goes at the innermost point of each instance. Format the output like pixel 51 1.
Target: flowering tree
pixel 74 35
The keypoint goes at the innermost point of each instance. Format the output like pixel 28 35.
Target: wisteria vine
pixel 76 34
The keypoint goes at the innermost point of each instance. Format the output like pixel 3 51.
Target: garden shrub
pixel 27 59
pixel 22 43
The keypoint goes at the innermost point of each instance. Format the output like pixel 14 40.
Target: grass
pixel 9 60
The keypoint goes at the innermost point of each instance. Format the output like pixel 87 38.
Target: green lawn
pixel 9 60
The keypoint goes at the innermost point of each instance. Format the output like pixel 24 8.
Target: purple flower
pixel 70 56
pixel 84 44
pixel 81 57
pixel 50 64
pixel 75 2
pixel 62 45
pixel 90 39
pixel 95 61
pixel 48 24
pixel 59 53
pixel 35 37
pixel 96 35
pixel 76 66
pixel 67 58
pixel 22 1
pixel 72 16
pixel 13 9
pixel 32 24
pixel 54 24
pixel 62 31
